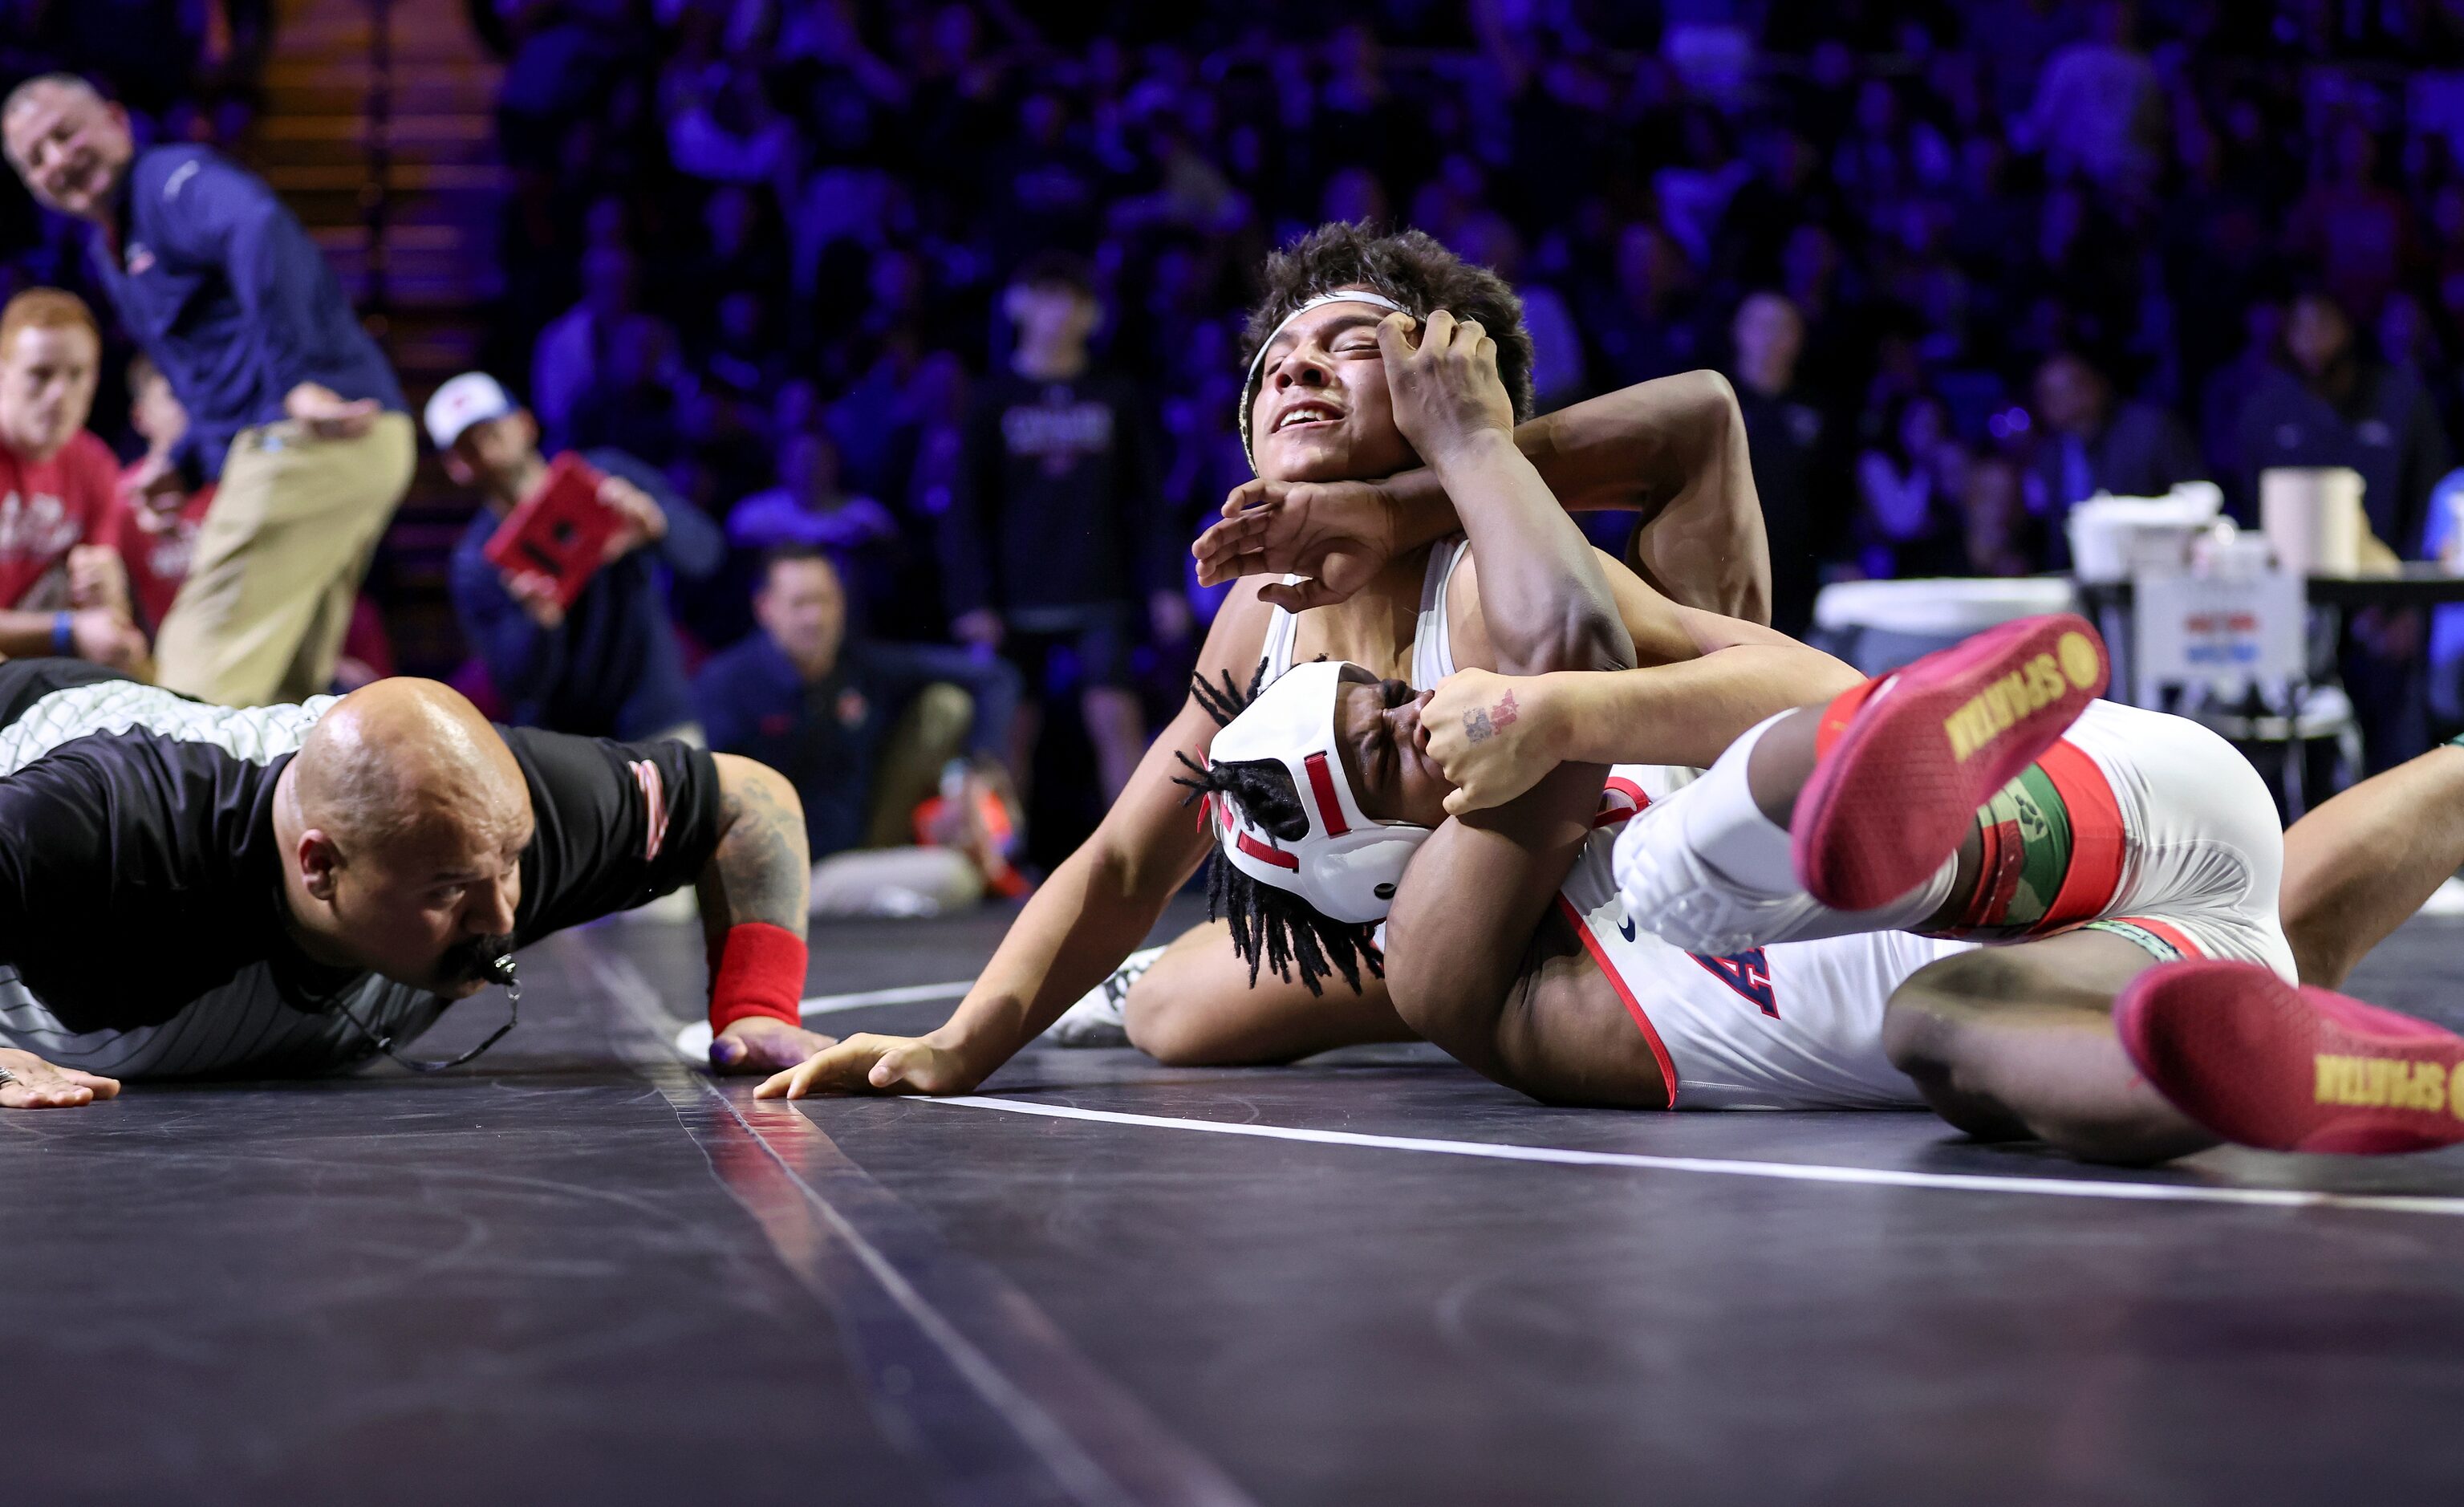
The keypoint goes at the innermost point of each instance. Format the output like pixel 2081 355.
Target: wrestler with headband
pixel 1733 949
pixel 1380 403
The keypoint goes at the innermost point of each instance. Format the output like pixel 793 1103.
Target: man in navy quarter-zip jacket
pixel 292 408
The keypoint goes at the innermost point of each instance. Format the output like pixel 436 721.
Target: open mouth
pixel 1303 415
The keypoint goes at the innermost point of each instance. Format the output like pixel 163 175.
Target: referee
pixel 292 408
pixel 187 890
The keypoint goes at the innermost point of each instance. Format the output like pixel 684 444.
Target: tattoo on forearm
pixel 760 866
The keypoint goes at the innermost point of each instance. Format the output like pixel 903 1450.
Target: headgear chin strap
pixel 1258 362
pixel 1347 866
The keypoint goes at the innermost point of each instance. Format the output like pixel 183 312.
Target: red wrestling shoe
pixel 2261 1062
pixel 1902 763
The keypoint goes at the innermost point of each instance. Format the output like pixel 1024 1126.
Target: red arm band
pixel 761 971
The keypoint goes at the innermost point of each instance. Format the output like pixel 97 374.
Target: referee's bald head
pixel 407 760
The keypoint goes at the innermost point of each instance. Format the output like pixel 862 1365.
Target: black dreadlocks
pixel 1269 926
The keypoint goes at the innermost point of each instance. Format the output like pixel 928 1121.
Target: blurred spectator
pixel 1912 488
pixel 1797 459
pixel 291 406
pixel 2228 390
pixel 152 541
pixel 609 667
pixel 1054 531
pixel 2091 442
pixel 1557 377
pixel 2099 107
pixel 581 342
pixel 1995 530
pixel 157 544
pixel 632 397
pixel 56 483
pixel 866 731
pixel 2334 407
pixel 1643 321
pixel 2357 230
pixel 808 508
pixel 723 127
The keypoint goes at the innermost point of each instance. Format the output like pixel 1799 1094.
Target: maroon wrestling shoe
pixel 1902 761
pixel 2267 1064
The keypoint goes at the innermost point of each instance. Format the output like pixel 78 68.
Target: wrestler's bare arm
pixel 1704 680
pixel 1097 906
pixel 1476 890
pixel 1672 448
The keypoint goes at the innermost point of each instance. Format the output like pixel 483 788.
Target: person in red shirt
pixel 56 486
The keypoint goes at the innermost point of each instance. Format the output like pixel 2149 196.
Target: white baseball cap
pixel 471 398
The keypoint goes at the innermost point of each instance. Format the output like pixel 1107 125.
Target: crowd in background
pixel 1984 236
pixel 1967 263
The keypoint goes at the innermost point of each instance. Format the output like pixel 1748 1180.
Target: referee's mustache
pixel 488 958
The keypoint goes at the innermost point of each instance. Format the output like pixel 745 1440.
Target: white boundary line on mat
pixel 1781 1171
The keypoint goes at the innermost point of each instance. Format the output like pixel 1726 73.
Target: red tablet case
pixel 558 531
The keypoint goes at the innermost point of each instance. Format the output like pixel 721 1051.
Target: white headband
pixel 1258 362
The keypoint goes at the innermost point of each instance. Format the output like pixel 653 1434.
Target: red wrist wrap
pixel 760 972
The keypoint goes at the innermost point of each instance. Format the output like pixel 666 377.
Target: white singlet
pixel 1792 1026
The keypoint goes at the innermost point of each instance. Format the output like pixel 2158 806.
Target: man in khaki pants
pixel 290 406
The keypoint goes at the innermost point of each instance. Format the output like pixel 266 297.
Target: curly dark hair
pixel 1269 926
pixel 1410 267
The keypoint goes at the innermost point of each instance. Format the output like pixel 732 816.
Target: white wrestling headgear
pixel 1258 362
pixel 1347 866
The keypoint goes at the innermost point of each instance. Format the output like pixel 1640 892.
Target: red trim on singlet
pixel 1329 810
pixel 2166 930
pixel 2096 843
pixel 1633 1005
pixel 1609 817
pixel 1265 854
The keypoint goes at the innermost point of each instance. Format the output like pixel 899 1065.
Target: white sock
pixel 1729 832
pixel 1734 839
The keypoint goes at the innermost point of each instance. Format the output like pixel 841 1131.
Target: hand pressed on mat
pixel 870 1064
pixel 39 1085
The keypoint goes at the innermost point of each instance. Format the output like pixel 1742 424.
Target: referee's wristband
pixel 63 635
pixel 760 971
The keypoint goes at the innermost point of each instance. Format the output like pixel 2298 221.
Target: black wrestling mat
pixel 576 1272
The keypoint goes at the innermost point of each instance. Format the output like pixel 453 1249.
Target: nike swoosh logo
pixel 1626 926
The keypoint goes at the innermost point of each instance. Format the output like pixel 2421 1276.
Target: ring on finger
pixel 8 1077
